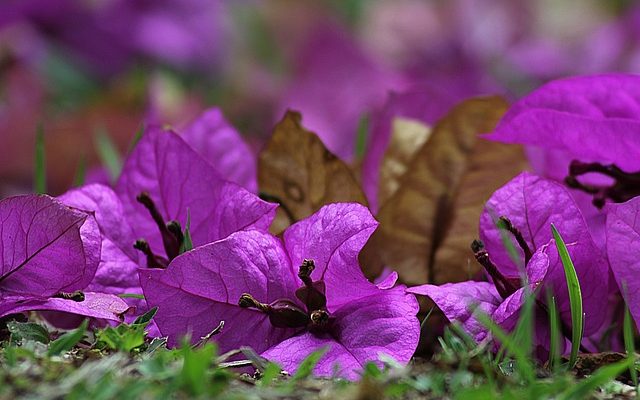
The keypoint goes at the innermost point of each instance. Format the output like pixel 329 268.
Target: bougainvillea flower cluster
pixel 582 131
pixel 49 254
pixel 524 209
pixel 184 227
pixel 288 297
pixel 164 187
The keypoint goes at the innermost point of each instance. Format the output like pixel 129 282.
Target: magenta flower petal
pixel 219 143
pixel 95 305
pixel 424 104
pixel 289 312
pixel 533 204
pixel 387 279
pixel 180 182
pixel 367 328
pixel 538 266
pixel 245 262
pixel 383 323
pixel 462 301
pixel 291 352
pixel 594 118
pixel 508 314
pixel 47 248
pixel 458 301
pixel 333 238
pixel 118 269
pixel 623 250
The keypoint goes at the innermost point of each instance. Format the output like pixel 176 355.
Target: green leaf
pixel 28 331
pixel 629 343
pixel 306 367
pixel 108 153
pixel 40 167
pixel 146 317
pixel 371 370
pixel 270 373
pixel 523 362
pixel 187 243
pixel 584 388
pixel 555 331
pixel 195 366
pixel 122 338
pixel 10 356
pixel 68 340
pixel 575 296
pixel 126 337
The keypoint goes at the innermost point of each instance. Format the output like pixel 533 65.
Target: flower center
pixel 625 186
pixel 171 233
pixel 285 313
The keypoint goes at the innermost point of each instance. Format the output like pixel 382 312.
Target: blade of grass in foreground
pixel 40 167
pixel 555 331
pixel 629 345
pixel 187 242
pixel 523 332
pixel 68 340
pixel 584 389
pixel 575 296
pixel 523 362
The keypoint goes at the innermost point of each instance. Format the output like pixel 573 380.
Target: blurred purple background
pixel 82 66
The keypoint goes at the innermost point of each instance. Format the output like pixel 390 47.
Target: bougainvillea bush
pixel 174 240
pixel 392 233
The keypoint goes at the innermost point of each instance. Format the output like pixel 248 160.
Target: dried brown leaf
pixel 296 170
pixel 427 224
pixel 491 165
pixel 407 137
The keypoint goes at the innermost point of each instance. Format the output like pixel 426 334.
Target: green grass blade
pixel 523 362
pixel 146 317
pixel 196 362
pixel 68 340
pixel 187 243
pixel 555 331
pixel 40 167
pixel 81 172
pixel 629 343
pixel 136 139
pixel 361 136
pixel 108 153
pixel 575 296
pixel 306 367
pixel 584 389
pixel 523 332
pixel 131 296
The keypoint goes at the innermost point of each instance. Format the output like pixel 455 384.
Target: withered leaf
pixel 427 224
pixel 296 170
pixel 407 137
